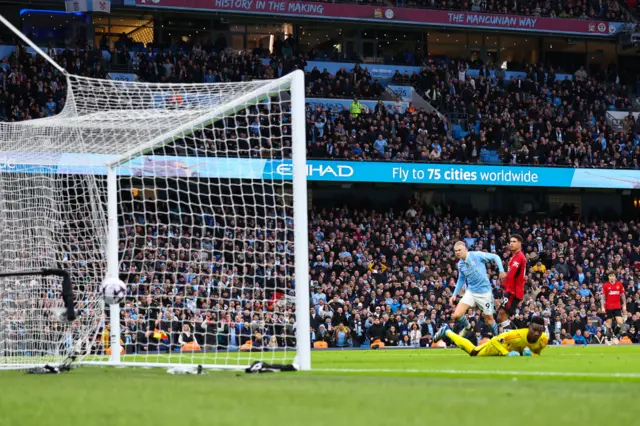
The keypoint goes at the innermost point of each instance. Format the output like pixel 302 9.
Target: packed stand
pixel 537 119
pixel 382 134
pixel 205 278
pixel 344 84
pixel 374 275
pixel 181 273
pixel 199 66
pixel 387 276
pixel 608 10
pixel 31 88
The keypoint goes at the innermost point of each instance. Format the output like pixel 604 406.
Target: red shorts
pixel 510 303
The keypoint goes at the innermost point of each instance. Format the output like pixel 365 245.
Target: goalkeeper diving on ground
pixel 524 341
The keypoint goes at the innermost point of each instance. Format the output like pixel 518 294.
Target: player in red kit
pixel 513 284
pixel 614 303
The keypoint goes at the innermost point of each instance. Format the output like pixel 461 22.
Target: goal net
pixel 189 193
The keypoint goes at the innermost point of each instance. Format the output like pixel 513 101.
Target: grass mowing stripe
pixel 482 372
pixel 355 388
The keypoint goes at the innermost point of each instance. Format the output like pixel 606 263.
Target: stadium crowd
pixel 609 10
pixel 374 276
pixel 535 120
pixel 396 268
pixel 532 120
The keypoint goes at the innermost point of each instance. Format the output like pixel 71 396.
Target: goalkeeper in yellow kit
pixel 524 341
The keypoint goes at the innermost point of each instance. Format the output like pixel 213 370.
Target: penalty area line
pixel 483 372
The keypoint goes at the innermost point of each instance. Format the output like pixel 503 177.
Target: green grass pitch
pixel 595 385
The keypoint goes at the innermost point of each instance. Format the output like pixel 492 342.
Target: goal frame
pixel 295 82
pixel 300 216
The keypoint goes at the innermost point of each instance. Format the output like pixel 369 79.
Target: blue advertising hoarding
pixel 327 170
pixel 378 72
pixel 508 75
pixel 405 92
pixel 121 76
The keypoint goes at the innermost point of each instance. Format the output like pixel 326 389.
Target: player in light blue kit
pixel 472 270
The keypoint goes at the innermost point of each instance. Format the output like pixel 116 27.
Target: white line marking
pixel 493 372
pixel 455 352
pixel 430 354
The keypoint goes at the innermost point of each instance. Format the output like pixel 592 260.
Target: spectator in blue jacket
pixel 579 338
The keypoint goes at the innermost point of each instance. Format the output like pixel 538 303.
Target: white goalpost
pixel 183 191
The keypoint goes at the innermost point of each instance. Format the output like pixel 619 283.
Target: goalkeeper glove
pixel 513 353
pixel 526 352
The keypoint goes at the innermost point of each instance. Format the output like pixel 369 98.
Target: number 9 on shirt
pixel 483 301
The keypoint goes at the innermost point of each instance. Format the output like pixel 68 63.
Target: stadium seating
pixel 370 273
pixel 472 115
pixel 603 11
pixel 535 119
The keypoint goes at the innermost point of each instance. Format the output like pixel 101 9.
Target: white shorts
pixel 483 301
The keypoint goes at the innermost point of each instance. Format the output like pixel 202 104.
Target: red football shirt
pixel 612 293
pixel 514 283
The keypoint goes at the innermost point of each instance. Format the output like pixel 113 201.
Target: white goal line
pixel 481 372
